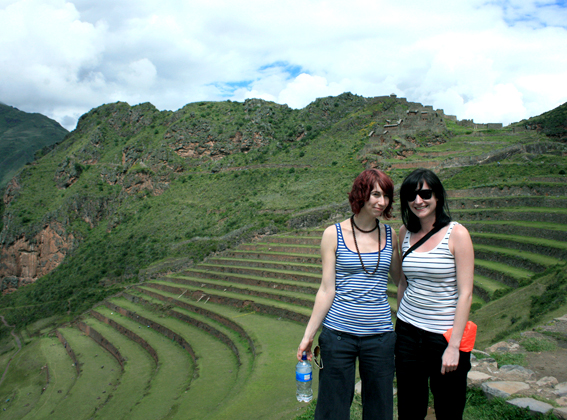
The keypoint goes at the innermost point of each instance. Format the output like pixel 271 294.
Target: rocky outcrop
pixel 25 260
pixel 11 190
pixel 518 385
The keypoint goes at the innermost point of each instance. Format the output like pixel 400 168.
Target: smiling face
pixel 423 207
pixel 377 202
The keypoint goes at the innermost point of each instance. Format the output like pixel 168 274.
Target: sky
pixel 487 60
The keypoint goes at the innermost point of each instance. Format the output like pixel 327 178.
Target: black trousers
pixel 418 366
pixel 339 352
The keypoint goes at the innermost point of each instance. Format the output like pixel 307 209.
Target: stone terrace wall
pixel 101 341
pixel 249 304
pixel 129 334
pixel 155 326
pixel 69 351
pixel 191 321
pixel 201 311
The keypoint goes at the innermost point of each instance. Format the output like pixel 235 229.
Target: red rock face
pixel 25 261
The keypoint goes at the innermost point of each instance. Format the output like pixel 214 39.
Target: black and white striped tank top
pixel 361 303
pixel 430 298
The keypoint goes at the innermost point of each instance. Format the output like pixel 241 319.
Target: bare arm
pixel 461 246
pixel 396 264
pixel 325 294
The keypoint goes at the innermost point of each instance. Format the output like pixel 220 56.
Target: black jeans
pixel 339 352
pixel 418 360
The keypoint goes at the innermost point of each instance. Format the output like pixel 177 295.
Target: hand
pixel 305 346
pixel 450 360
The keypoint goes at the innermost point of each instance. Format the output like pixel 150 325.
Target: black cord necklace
pixel 363 231
pixel 353 225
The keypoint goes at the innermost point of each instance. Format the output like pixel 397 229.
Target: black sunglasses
pixel 424 194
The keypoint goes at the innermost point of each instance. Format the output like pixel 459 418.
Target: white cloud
pixel 494 61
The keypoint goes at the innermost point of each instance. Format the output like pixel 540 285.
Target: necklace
pixel 363 231
pixel 352 224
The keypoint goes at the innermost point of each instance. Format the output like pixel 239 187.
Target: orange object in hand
pixel 469 336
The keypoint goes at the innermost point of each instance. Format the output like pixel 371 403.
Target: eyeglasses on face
pixel 424 194
pixel 317 357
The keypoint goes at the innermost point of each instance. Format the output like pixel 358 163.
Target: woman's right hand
pixel 305 346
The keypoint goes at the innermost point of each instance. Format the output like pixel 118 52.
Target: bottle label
pixel 303 377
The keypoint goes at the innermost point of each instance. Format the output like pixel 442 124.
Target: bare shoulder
pixel 403 231
pixel 329 235
pixel 460 232
pixel 460 241
pixel 394 235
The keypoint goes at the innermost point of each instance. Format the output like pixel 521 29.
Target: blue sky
pixel 492 61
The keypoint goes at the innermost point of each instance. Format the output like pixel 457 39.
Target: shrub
pixel 535 344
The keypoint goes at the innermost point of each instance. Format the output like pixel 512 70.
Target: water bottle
pixel 303 378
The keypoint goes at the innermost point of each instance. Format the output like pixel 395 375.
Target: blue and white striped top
pixel 430 299
pixel 361 304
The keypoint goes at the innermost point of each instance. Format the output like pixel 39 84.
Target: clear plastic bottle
pixel 303 378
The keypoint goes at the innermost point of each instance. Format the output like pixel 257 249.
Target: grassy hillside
pixel 522 309
pixel 137 188
pixel 22 136
pixel 552 123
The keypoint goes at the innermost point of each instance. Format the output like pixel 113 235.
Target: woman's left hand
pixel 450 360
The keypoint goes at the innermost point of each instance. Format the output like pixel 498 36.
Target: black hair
pixel 414 182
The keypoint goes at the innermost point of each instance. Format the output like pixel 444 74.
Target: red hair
pixel 363 186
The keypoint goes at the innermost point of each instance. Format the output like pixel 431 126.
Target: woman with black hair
pixel 434 295
pixel 352 304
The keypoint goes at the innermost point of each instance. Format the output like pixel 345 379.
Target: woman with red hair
pixel 352 305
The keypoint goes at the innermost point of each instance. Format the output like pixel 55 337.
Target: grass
pixel 257 299
pixel 510 359
pixel 516 273
pixel 538 242
pixel 100 374
pixel 276 342
pixel 21 389
pixel 478 407
pixel 534 344
pixel 62 378
pixel 523 223
pixel 492 288
pixel 172 377
pixel 216 370
pixel 139 369
pixel 523 308
pixel 533 257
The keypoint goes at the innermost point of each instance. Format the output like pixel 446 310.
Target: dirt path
pixel 13 327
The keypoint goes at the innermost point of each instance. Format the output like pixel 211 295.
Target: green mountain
pixel 133 190
pixel 22 136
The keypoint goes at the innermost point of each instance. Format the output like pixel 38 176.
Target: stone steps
pixel 489 289
pixel 476 203
pixel 218 373
pixel 264 264
pixel 99 374
pixel 231 272
pixel 519 259
pixel 552 231
pixel 546 247
pixel 534 214
pixel 273 257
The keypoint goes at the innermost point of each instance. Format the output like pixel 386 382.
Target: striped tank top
pixel 360 306
pixel 430 298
